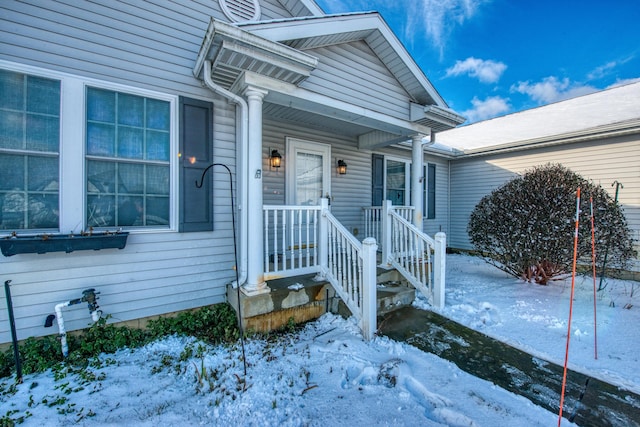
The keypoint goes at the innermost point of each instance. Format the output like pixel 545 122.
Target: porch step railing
pixel 418 257
pixel 372 219
pixel 351 270
pixel 309 239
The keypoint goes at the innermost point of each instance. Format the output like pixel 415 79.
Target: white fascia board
pixel 290 95
pixel 294 29
pixel 302 28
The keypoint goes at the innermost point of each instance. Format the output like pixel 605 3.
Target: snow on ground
pixel 327 375
pixel 534 318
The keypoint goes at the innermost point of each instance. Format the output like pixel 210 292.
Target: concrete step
pixel 393 295
pixel 302 298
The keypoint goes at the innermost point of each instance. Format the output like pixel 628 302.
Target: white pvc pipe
pixel 62 331
pixel 242 171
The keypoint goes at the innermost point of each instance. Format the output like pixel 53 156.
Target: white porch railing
pixel 291 240
pixel 372 219
pixel 418 257
pixel 308 239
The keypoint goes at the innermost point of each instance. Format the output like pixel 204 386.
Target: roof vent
pixel 241 10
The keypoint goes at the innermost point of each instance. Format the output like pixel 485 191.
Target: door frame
pixel 296 145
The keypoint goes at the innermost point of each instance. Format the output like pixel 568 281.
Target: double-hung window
pixel 127 160
pixel 29 152
pixel 106 162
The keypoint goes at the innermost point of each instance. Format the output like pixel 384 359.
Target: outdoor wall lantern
pixel 275 159
pixel 342 167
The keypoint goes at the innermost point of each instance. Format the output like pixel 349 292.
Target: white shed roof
pixel 550 122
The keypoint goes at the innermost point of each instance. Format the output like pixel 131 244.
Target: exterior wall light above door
pixel 275 159
pixel 342 167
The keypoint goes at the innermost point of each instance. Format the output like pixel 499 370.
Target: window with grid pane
pixel 396 184
pixel 29 151
pixel 128 150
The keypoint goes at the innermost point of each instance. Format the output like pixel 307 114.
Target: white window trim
pixel 72 186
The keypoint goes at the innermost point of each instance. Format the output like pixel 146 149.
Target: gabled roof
pixel 311 32
pixel 597 114
pixel 279 49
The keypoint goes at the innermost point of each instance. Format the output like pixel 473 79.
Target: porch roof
pixel 271 54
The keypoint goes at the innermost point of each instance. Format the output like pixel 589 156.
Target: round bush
pixel 527 226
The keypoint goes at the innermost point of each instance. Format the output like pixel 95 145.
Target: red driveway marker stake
pixel 573 282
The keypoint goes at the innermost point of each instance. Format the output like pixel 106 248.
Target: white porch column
pixel 255 283
pixel 417 160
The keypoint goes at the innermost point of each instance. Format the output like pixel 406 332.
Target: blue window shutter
pixel 196 153
pixel 431 191
pixel 377 180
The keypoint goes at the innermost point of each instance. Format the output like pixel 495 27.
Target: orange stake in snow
pixel 573 282
pixel 593 264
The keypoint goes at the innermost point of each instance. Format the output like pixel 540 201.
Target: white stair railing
pixel 372 219
pixel 351 270
pixel 418 257
pixel 309 239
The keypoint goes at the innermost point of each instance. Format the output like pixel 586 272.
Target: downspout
pixel 243 108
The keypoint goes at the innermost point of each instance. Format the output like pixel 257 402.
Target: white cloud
pixel 606 69
pixel 487 71
pixel 551 89
pixel 486 109
pixel 602 70
pixel 438 18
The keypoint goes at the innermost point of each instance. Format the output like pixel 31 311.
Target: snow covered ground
pixel 327 375
pixel 534 318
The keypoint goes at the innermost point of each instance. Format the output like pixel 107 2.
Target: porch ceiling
pixel 314 121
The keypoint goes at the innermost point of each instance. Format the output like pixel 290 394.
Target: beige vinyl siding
pixel 353 73
pixel 602 161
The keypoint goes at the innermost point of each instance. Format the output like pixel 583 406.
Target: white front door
pixel 308 172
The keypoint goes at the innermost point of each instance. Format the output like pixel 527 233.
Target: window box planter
pixel 44 243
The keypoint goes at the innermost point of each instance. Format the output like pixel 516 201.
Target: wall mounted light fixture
pixel 275 159
pixel 342 167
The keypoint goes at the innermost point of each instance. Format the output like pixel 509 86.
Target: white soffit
pixel 234 51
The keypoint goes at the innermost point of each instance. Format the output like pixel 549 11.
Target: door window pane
pixel 308 178
pixel 29 147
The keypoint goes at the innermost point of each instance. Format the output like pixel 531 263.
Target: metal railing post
pixel 439 267
pixel 369 314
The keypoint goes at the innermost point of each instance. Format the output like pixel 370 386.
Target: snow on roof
pixel 615 105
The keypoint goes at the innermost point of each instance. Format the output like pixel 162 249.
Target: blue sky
pixel 488 58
